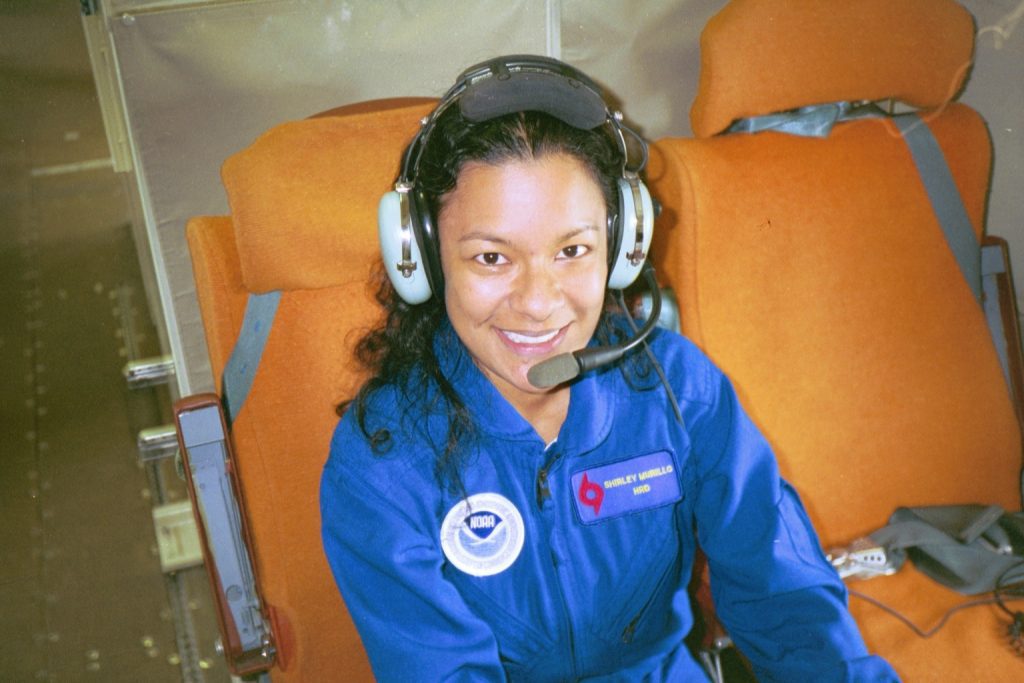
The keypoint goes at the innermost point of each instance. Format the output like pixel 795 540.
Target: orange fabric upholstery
pixel 760 57
pixel 303 204
pixel 828 292
pixel 814 272
pixel 289 192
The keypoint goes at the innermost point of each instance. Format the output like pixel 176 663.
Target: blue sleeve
pixel 413 623
pixel 781 601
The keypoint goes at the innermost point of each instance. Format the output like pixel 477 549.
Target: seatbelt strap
pixel 980 265
pixel 237 378
pixel 965 547
pixel 944 197
pixel 814 121
pixel 992 265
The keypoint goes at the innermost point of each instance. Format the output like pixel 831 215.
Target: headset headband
pixel 516 83
pixel 520 83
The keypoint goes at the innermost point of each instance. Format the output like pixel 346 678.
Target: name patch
pixel 483 534
pixel 634 485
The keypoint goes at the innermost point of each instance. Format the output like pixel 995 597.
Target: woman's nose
pixel 537 292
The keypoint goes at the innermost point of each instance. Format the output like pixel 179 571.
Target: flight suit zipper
pixel 543 488
pixel 630 630
pixel 543 491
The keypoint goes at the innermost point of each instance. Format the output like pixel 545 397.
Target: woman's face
pixel 524 255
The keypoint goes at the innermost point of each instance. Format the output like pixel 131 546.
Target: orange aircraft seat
pixel 815 272
pixel 303 203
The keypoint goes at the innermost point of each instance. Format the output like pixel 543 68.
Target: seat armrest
pixel 208 465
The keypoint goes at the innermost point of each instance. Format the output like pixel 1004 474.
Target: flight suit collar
pixel 590 401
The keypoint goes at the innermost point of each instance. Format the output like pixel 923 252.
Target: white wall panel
pixel 996 89
pixel 202 80
pixel 646 54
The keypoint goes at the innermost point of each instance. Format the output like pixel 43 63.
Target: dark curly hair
pixel 400 352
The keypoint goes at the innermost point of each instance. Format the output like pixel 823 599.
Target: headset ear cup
pixel 429 241
pixel 636 216
pixel 396 235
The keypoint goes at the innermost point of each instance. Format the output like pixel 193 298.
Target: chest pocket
pixel 639 603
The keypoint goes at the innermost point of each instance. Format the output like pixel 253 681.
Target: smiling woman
pixel 482 179
pixel 470 514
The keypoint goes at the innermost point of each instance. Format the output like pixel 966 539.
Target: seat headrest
pixel 765 56
pixel 303 196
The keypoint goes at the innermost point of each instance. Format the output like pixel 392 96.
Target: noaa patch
pixel 483 534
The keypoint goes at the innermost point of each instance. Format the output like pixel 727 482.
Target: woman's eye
pixel 490 258
pixel 574 251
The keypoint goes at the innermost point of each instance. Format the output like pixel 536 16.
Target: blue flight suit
pixel 571 561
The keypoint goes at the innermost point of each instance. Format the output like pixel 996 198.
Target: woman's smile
pixel 533 343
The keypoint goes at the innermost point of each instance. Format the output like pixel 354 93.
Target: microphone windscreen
pixel 553 371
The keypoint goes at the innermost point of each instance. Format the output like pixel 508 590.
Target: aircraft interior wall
pixel 198 81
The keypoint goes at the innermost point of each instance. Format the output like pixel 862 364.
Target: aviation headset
pixel 504 85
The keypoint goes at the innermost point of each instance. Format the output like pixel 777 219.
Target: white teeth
pixel 526 339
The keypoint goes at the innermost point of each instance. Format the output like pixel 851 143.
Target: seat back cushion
pixel 303 204
pixel 765 56
pixel 815 273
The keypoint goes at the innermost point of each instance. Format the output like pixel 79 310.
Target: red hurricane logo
pixel 591 494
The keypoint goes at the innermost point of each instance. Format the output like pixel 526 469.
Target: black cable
pixel 654 361
pixel 1015 631
pixel 1014 590
pixel 914 627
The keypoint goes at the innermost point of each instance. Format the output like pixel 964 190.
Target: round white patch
pixel 483 535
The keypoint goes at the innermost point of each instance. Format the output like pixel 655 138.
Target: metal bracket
pixel 157 443
pixel 177 537
pixel 862 559
pixel 147 372
pixel 712 658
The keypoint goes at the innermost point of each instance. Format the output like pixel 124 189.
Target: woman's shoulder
pixel 691 372
pixel 386 431
pixel 676 345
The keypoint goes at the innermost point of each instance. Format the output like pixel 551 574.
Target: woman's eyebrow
pixel 483 237
pixel 579 231
pixel 489 237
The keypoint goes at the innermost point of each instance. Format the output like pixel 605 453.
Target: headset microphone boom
pixel 566 366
